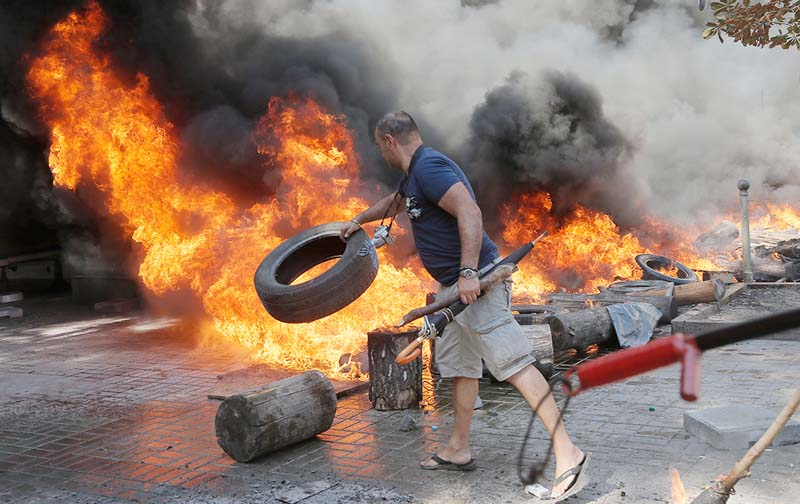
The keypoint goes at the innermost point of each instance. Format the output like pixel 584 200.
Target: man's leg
pixel 533 387
pixel 465 390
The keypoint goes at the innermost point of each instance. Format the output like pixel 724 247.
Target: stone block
pixel 737 427
pixel 11 297
pixel 10 312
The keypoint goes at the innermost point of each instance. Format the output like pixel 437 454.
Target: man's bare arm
pixel 388 206
pixel 459 203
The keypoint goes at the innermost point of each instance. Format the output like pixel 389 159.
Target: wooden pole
pixel 495 277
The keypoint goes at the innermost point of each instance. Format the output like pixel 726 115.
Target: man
pixel 448 232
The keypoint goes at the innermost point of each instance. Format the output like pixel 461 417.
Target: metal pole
pixel 744 185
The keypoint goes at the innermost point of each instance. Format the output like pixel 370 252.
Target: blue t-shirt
pixel 435 231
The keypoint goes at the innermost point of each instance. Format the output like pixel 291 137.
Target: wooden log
pixel 789 249
pixel 764 268
pixel 541 339
pixel 391 386
pixel 667 305
pixel 262 421
pixel 792 271
pixel 581 328
pixel 691 293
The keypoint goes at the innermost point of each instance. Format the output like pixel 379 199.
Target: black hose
pixel 748 330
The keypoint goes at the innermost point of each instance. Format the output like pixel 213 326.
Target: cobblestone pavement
pixel 98 408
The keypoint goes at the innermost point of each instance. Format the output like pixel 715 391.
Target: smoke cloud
pixel 694 115
pixel 548 134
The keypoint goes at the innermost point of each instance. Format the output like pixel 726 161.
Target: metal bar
pixel 744 185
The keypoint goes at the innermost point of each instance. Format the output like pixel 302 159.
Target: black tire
pixel 328 293
pixel 650 264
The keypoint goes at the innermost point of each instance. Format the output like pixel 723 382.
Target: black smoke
pixel 549 133
pixel 212 77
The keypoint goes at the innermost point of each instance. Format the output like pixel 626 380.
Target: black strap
pixel 404 185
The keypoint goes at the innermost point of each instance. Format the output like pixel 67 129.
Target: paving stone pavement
pixel 95 408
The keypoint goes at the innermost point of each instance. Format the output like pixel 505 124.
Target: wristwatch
pixel 468 273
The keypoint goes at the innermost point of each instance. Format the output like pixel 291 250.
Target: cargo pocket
pixel 503 344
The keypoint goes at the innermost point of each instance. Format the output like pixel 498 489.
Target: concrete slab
pixel 737 427
pixel 11 297
pixel 745 302
pixel 10 312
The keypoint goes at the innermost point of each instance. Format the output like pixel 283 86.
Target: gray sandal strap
pixel 570 472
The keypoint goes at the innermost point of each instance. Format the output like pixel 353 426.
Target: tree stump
pixel 282 413
pixel 391 386
pixel 581 328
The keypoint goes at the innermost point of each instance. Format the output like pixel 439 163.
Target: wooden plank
pixel 732 291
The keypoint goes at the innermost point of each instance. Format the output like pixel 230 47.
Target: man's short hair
pixel 399 124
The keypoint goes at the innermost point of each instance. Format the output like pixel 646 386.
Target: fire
pixel 116 139
pixel 583 251
pixel 112 140
pixel 776 216
pixel 677 491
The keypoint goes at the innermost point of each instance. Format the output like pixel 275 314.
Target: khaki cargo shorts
pixel 484 330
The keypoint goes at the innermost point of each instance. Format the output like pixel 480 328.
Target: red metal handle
pixel 690 370
pixel 409 353
pixel 635 361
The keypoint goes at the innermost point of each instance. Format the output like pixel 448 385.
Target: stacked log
pixel 691 293
pixel 667 305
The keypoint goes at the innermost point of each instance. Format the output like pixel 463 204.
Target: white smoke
pixel 699 114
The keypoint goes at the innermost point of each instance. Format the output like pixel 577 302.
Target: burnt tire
pixel 321 296
pixel 651 263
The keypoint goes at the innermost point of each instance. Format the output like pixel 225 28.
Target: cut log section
pixel 665 304
pixel 541 339
pixel 692 293
pixel 391 386
pixel 581 328
pixel 282 413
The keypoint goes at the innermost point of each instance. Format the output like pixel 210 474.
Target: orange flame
pixel 116 139
pixel 112 139
pixel 677 491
